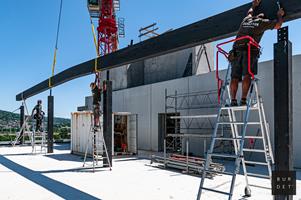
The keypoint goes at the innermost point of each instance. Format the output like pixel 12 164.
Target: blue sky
pixel 27 40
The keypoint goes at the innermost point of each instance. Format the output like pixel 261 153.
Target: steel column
pixel 50 124
pixel 107 118
pixel 22 119
pixel 283 113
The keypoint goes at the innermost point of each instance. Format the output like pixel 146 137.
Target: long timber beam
pixel 207 30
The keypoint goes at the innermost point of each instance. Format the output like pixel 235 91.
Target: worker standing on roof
pixel 38 115
pixel 96 95
pixel 253 26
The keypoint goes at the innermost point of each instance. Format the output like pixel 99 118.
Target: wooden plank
pixel 207 30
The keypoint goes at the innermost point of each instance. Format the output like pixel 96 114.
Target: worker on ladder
pixel 253 26
pixel 96 95
pixel 38 115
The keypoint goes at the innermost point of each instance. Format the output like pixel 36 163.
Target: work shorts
pixel 240 63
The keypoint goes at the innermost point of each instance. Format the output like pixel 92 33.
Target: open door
pixel 132 133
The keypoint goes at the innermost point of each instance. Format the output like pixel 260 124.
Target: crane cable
pixel 56 45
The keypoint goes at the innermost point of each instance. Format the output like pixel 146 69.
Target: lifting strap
pixel 97 72
pixel 56 46
pixel 96 45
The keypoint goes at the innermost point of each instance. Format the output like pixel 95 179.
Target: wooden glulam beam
pixel 204 31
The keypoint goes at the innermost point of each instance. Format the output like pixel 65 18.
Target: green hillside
pixel 10 124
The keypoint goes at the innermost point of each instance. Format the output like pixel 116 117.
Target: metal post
pixel 205 147
pixel 187 155
pixel 283 113
pixel 107 119
pixel 108 75
pixel 164 153
pixel 50 124
pixel 175 139
pixel 165 100
pixel 22 119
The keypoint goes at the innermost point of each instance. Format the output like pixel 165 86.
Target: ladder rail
pixel 234 127
pixel 251 95
pixel 87 145
pixel 211 149
pixel 208 157
pixel 267 129
pixel 95 153
pixel 263 132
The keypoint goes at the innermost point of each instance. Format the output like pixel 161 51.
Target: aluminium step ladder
pixel 38 139
pixel 239 134
pixel 98 145
pixel 24 130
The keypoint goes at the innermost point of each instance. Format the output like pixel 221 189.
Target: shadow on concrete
pixel 65 157
pixel 19 154
pixel 58 188
pixel 62 146
pixel 77 170
pixel 127 159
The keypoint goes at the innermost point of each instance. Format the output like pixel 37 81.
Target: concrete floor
pixel 60 176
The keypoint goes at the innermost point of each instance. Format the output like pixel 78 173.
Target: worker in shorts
pixel 253 26
pixel 96 95
pixel 38 115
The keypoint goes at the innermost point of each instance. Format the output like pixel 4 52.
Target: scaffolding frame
pixel 189 117
pixel 192 116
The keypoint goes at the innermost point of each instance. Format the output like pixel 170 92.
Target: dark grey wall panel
pixel 135 74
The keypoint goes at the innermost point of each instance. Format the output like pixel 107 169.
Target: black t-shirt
pixel 96 94
pixel 37 112
pixel 254 27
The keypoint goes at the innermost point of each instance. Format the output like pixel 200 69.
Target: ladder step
pixel 219 172
pixel 255 150
pixel 253 137
pixel 217 191
pixel 228 139
pixel 223 155
pixel 98 157
pixel 239 138
pixel 238 108
pixel 238 123
pixel 258 175
pixel 256 163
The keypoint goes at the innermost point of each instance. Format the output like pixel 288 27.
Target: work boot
pixel 233 103
pixel 243 102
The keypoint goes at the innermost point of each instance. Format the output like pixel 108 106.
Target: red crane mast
pixel 107 28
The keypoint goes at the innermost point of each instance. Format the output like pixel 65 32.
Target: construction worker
pixel 253 26
pixel 96 95
pixel 38 115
